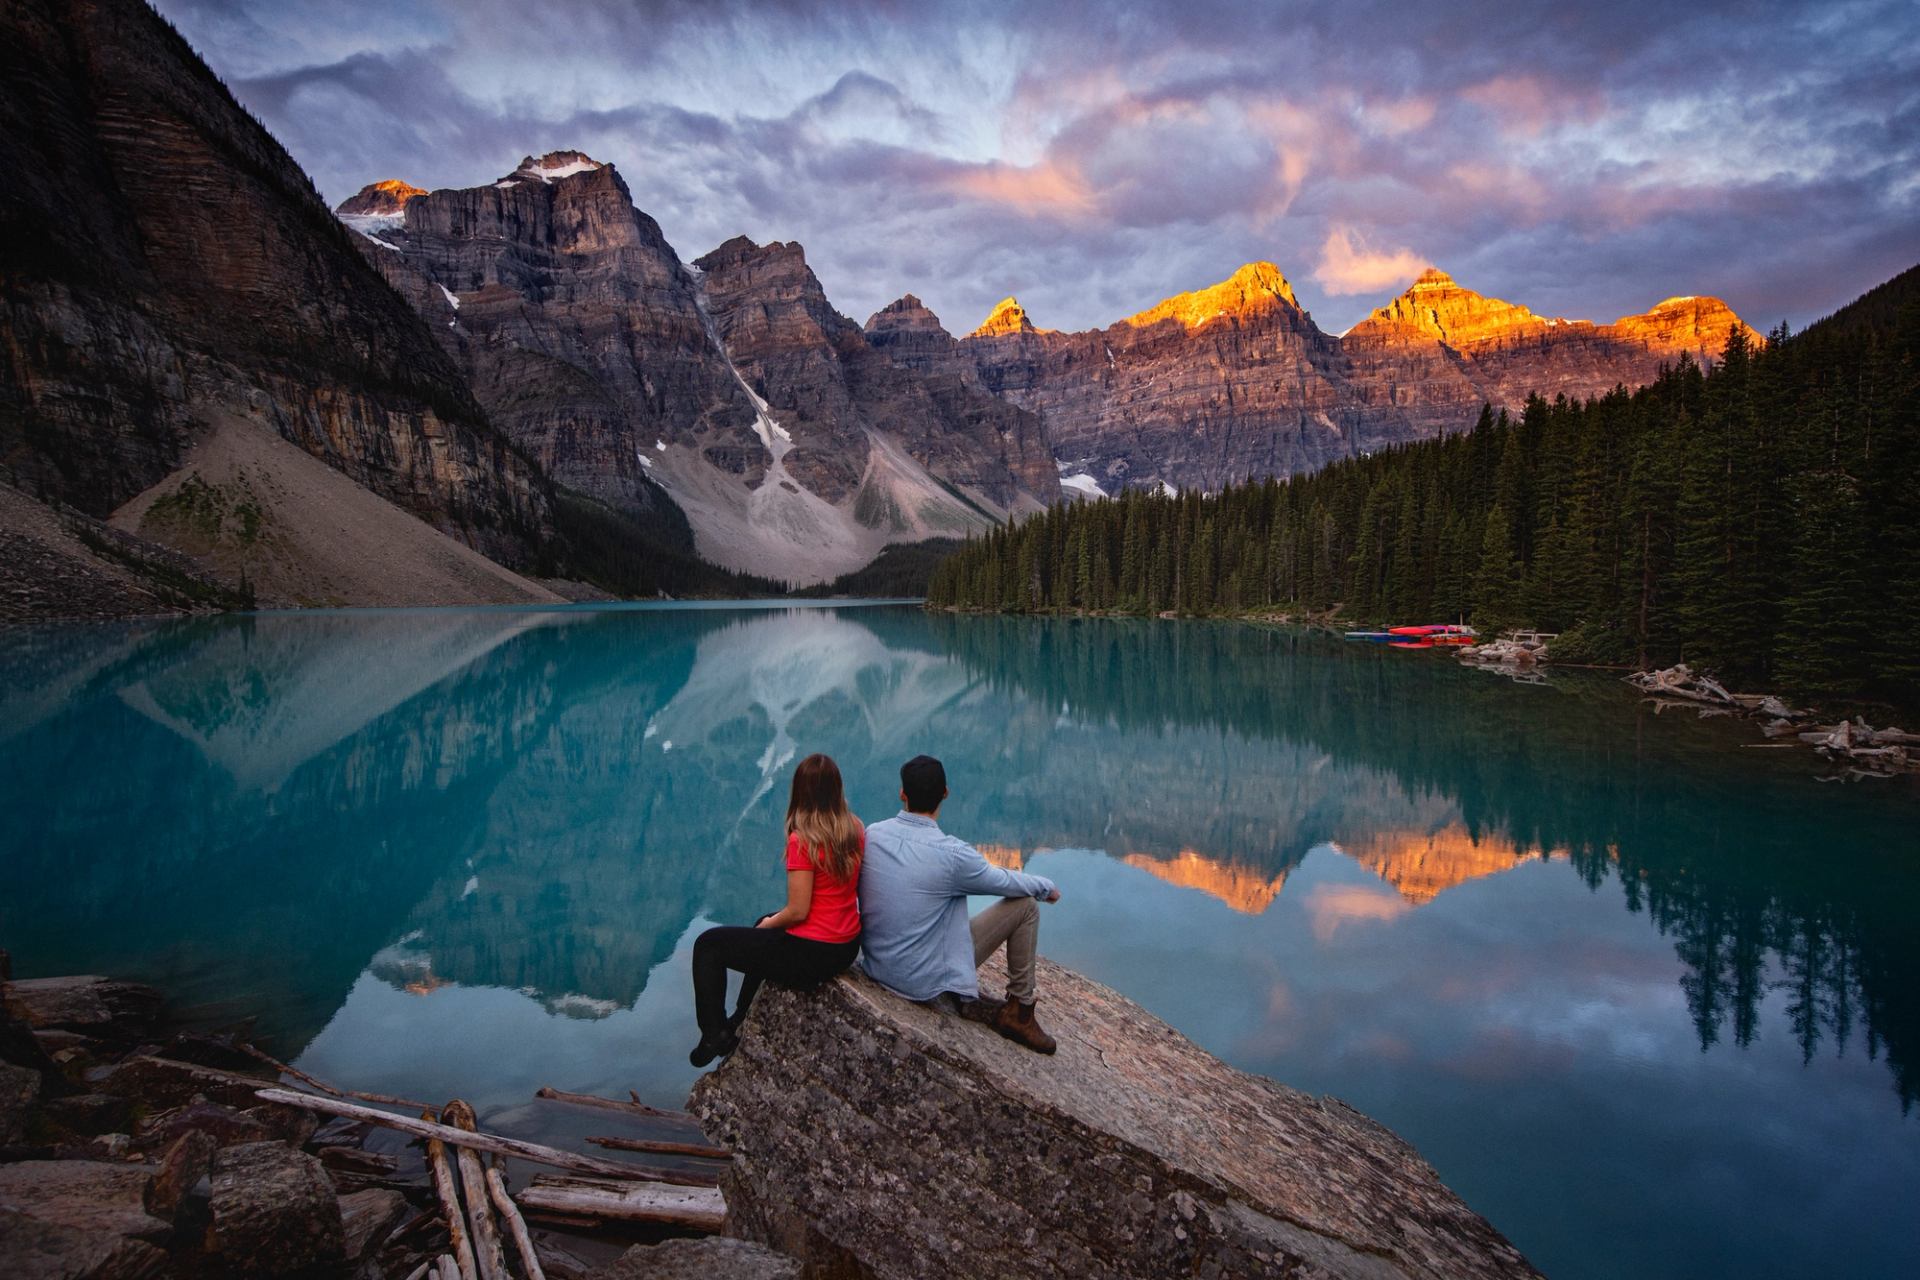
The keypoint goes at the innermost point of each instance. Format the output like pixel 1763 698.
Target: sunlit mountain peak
pixel 1007 317
pixel 1254 289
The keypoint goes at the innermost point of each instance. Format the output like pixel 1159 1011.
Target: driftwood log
pixel 1505 652
pixel 453 1137
pixel 516 1225
pixel 1871 751
pixel 449 1194
pixel 488 1256
pixel 634 1108
pixel 288 1070
pixel 696 1208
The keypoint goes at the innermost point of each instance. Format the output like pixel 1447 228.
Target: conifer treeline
pixel 1761 519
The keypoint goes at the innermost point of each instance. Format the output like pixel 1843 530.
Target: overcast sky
pixel 1585 159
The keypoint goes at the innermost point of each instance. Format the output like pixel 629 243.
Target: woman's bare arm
pixel 799 901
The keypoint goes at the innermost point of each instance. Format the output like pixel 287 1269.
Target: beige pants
pixel 1015 922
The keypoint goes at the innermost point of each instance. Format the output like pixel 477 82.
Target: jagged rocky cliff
pixel 572 317
pixel 731 390
pixel 1439 350
pixel 1235 381
pixel 875 1137
pixel 166 271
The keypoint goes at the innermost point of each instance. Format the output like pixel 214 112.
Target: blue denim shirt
pixel 914 882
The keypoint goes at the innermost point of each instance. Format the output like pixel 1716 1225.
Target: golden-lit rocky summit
pixel 386 197
pixel 1254 289
pixel 1437 307
pixel 1007 317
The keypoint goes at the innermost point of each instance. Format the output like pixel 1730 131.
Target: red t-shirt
pixel 834 914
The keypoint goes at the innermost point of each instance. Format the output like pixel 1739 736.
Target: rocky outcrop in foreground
pixel 874 1137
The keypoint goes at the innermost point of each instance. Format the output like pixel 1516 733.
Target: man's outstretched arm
pixel 973 874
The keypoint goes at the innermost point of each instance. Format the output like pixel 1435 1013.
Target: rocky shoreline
pixel 129 1151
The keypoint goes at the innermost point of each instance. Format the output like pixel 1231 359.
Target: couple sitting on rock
pixel 897 894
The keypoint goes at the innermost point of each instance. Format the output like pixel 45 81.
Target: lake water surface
pixel 1647 998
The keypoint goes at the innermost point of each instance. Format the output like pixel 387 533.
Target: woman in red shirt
pixel 811 939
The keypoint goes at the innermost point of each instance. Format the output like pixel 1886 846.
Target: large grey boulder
pixel 873 1136
pixel 275 1213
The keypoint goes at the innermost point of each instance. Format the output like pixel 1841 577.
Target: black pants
pixel 763 955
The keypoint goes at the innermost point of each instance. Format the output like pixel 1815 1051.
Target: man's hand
pixel 1052 897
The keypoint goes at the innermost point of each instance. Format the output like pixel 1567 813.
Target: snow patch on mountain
pixel 371 224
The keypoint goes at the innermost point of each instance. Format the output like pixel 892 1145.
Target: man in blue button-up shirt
pixel 915 935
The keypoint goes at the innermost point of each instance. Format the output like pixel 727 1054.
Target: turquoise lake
pixel 1646 996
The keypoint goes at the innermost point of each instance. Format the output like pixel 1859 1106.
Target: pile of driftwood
pixel 1507 651
pixel 197 1153
pixel 1866 751
pixel 593 1193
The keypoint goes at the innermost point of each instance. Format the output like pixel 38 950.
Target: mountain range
pixel 198 351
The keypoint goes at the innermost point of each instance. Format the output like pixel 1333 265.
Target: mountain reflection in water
pixel 437 852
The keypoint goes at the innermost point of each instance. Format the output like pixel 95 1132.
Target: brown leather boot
pixel 1016 1022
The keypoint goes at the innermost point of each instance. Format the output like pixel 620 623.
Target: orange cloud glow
pixel 1046 188
pixel 1349 265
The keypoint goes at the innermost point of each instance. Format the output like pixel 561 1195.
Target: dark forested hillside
pixel 1761 518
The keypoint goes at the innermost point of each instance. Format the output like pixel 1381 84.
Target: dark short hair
pixel 924 780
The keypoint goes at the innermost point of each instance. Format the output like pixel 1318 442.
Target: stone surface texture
pixel 34 1249
pixel 274 1212
pixel 91 1005
pixel 714 1258
pixel 164 262
pixel 830 383
pixel 573 319
pixel 19 1090
pixel 87 1195
pixel 875 1137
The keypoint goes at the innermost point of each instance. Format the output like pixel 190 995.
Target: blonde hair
pixel 817 812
